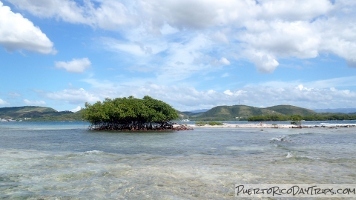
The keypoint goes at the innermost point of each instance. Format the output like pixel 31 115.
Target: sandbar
pixel 270 125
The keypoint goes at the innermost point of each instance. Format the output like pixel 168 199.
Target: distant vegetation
pixel 219 113
pixel 201 123
pixel 274 113
pixel 244 113
pixel 37 113
pixel 130 114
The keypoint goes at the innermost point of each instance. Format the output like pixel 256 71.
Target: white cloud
pixel 262 31
pixel 132 48
pixel 111 15
pixel 220 37
pixel 106 14
pixel 78 108
pixel 228 92
pixel 17 33
pixel 183 14
pixel 287 39
pixel 316 94
pixel 224 61
pixel 302 87
pixel 297 95
pixel 293 9
pixel 63 9
pixel 34 103
pixel 264 62
pixel 73 96
pixel 2 102
pixel 265 31
pixel 75 65
pixel 341 40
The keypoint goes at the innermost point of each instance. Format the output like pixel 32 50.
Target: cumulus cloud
pixel 17 33
pixel 296 39
pixel 293 10
pixel 264 62
pixel 340 39
pixel 267 30
pixel 75 65
pixel 107 14
pixel 262 31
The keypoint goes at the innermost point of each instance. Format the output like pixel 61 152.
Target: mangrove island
pixel 131 114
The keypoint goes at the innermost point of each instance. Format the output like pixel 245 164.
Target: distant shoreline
pixel 266 125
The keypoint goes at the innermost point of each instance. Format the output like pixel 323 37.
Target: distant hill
pixel 24 112
pixel 37 113
pixel 242 112
pixel 291 110
pixel 218 113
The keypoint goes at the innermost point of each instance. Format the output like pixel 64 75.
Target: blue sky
pixel 191 54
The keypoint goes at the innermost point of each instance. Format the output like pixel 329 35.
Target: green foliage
pixel 129 113
pixel 276 117
pixel 329 116
pixel 215 123
pixel 59 116
pixel 268 118
pixel 200 123
pixel 211 123
pixel 296 118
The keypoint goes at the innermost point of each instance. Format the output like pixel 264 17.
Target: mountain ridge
pixel 37 113
pixel 218 113
pixel 243 112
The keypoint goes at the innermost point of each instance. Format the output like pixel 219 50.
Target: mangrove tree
pixel 130 114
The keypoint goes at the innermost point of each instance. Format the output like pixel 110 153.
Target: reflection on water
pixel 67 161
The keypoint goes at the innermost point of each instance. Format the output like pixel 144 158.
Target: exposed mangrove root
pixel 139 127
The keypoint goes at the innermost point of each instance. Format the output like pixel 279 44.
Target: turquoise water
pixel 63 160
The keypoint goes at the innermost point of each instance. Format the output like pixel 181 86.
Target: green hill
pixel 37 113
pixel 291 110
pixel 24 112
pixel 242 112
pixel 219 113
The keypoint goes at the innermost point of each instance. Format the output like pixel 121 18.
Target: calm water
pixel 66 161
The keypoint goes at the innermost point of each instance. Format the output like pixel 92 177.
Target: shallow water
pixel 66 161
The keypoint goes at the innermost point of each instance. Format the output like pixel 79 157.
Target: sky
pixel 192 54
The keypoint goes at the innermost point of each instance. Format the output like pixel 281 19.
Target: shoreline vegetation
pixel 269 125
pixel 132 114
